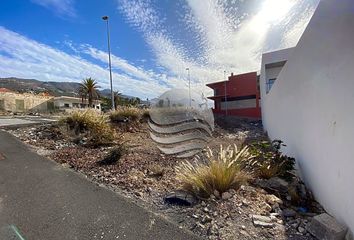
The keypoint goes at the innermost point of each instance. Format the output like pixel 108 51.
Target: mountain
pixel 36 86
pixel 53 88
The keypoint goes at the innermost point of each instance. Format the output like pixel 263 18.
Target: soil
pixel 146 175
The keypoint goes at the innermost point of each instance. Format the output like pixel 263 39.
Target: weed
pixel 210 173
pixel 125 114
pixel 269 161
pixel 114 155
pixel 90 125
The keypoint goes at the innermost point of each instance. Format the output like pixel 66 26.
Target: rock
pixel 288 212
pixel 301 230
pixel 272 199
pixel 217 194
pixel 180 197
pixel 226 196
pixel 262 221
pixel 263 224
pixel 324 226
pixel 261 218
pixel 138 194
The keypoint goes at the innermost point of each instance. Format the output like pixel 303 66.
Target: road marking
pixel 17 232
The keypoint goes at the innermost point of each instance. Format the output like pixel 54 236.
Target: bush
pixel 114 155
pixel 125 114
pixel 211 173
pixel 91 125
pixel 269 161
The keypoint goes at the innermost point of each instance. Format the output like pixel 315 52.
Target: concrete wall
pixel 15 102
pixel 310 107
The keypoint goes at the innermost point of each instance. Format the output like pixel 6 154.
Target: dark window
pixel 270 83
pixel 66 105
pixel 216 92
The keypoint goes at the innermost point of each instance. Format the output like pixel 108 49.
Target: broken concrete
pixel 325 227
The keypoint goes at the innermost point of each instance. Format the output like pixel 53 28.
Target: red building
pixel 242 96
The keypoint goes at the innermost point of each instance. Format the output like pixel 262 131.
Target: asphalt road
pixel 41 200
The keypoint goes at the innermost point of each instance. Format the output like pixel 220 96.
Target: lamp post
pixel 105 18
pixel 225 93
pixel 189 80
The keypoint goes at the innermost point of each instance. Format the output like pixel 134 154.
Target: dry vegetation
pixel 220 171
pixel 224 179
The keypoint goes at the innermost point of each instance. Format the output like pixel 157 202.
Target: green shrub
pixel 219 172
pixel 269 161
pixel 125 113
pixel 91 125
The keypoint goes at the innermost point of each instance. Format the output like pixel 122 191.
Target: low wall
pixel 15 102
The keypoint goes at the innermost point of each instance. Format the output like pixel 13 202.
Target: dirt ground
pixel 146 175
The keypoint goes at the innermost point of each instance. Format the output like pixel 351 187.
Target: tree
pixel 88 90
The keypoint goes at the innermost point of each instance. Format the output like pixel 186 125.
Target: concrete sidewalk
pixel 41 200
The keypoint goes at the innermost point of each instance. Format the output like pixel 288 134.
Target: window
pixel 270 83
pixel 66 105
pixel 216 92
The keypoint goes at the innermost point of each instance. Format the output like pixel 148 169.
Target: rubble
pixel 324 226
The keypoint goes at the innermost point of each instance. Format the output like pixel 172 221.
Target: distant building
pixel 25 102
pixel 241 98
pixel 28 102
pixel 65 102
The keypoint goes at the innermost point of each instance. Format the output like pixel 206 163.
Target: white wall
pixel 310 107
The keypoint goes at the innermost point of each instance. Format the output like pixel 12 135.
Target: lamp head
pixel 105 17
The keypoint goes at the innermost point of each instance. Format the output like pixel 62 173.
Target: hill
pixel 53 88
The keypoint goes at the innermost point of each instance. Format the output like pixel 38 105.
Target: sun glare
pixel 276 10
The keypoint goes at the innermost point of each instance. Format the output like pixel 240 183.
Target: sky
pixel 152 41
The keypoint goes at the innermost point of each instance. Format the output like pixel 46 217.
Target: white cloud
pixel 61 7
pixel 23 57
pixel 229 37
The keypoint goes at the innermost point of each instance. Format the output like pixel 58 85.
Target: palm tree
pixel 88 90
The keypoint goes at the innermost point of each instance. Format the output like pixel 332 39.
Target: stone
pixel 216 194
pixel 301 230
pixel 288 212
pixel 261 218
pixel 263 224
pixel 181 198
pixel 226 196
pixel 272 199
pixel 324 226
pixel 349 236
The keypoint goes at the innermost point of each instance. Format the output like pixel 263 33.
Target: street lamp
pixel 189 80
pixel 225 93
pixel 105 18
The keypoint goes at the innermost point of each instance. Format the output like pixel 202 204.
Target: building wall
pixel 310 107
pixel 16 102
pixel 238 86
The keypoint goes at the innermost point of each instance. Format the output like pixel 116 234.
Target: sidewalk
pixel 41 200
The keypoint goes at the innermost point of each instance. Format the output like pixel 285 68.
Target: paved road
pixel 22 121
pixel 41 200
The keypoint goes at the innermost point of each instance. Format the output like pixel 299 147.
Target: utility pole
pixel 105 18
pixel 189 80
pixel 225 93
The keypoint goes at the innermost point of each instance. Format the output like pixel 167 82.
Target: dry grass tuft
pixel 91 125
pixel 219 172
pixel 126 113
